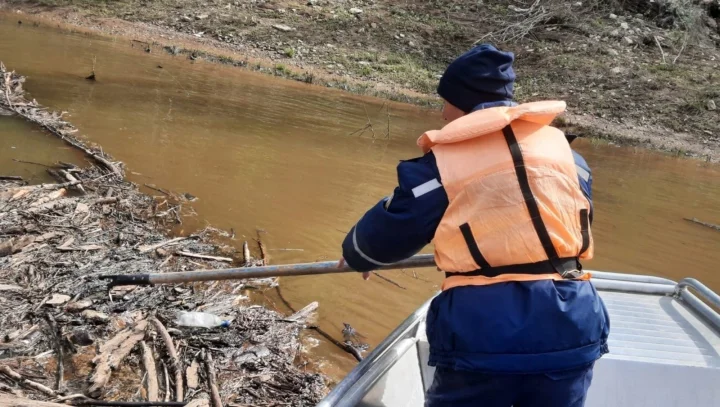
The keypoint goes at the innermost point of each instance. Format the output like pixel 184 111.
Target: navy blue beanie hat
pixel 483 74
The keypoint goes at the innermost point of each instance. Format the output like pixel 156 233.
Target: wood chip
pixel 192 375
pixel 58 299
pixel 9 287
pixel 95 316
pixel 81 208
pixel 77 306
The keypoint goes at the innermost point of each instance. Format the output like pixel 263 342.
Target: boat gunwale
pixel 603 281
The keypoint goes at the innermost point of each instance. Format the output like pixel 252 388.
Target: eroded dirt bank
pixel 640 73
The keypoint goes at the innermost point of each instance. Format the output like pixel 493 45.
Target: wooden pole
pixel 241 273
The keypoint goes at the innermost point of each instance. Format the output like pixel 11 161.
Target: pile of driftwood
pixel 66 338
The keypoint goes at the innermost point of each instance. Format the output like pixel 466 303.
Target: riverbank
pixel 639 75
pixel 71 338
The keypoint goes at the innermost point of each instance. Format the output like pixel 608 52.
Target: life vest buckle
pixel 567 269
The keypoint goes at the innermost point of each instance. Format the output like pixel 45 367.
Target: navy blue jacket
pixel 514 327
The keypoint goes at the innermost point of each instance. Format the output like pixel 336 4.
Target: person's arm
pixel 585 178
pixel 399 226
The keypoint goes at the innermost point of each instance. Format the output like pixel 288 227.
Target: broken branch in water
pixel 707 225
pixel 10 178
pixel 12 97
pixel 263 250
pixel 380 276
pixel 92 74
pixel 31 162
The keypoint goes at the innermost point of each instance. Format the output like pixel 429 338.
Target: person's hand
pixel 341 264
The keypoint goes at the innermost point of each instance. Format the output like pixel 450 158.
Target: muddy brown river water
pixel 270 154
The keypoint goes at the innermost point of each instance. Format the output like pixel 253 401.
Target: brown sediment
pixel 56 242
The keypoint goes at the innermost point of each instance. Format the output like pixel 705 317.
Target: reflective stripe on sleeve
pixel 423 189
pixel 583 173
pixel 363 255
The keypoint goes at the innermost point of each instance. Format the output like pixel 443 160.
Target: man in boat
pixel 508 206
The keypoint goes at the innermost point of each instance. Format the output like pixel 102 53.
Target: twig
pixel 687 36
pixel 388 280
pixel 699 222
pixel 173 355
pixel 31 162
pixel 152 380
pixel 149 248
pixel 71 178
pixel 345 347
pixel 56 334
pixel 212 380
pixel 71 397
pixel 660 48
pixel 369 123
pixel 151 186
pixel 203 256
pixel 10 178
pixel 263 250
pixel 7 371
pixel 167 381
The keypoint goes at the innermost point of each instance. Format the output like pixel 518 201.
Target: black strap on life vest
pixel 472 245
pixel 584 230
pixel 530 202
pixel 543 267
pixel 554 260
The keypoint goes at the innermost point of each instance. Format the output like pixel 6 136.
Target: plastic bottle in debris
pixel 200 320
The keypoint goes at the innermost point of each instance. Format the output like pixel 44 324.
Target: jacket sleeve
pixel 399 226
pixel 585 178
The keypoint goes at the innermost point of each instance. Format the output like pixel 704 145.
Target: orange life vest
pixel 516 210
